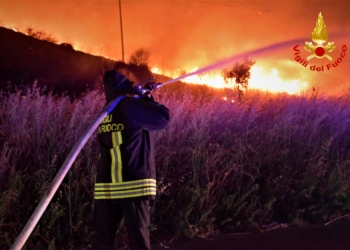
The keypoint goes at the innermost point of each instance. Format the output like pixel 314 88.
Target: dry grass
pixel 221 166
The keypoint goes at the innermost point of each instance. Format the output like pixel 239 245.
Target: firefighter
pixel 126 173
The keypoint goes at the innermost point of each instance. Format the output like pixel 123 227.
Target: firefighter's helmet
pixel 113 82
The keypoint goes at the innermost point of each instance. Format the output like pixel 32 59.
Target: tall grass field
pixel 222 166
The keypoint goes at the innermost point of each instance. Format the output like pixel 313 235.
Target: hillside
pixel 24 59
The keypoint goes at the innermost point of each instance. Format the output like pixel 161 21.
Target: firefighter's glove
pixel 148 96
pixel 152 86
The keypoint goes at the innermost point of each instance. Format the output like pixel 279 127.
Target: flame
pixel 155 70
pixel 11 26
pixel 225 99
pixel 319 35
pixel 260 80
pixel 272 82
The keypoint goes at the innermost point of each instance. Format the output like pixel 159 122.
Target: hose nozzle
pixel 148 86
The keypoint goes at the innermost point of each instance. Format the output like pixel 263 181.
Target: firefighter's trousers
pixel 108 215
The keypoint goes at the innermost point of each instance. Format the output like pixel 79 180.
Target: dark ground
pixel 334 236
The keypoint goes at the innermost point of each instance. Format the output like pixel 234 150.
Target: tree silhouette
pixel 241 72
pixel 40 34
pixel 139 57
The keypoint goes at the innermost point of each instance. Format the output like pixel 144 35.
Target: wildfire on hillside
pixel 259 79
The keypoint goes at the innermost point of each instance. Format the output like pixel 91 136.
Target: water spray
pixel 144 89
pixel 251 54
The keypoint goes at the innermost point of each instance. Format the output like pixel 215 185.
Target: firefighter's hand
pixel 148 96
pixel 152 86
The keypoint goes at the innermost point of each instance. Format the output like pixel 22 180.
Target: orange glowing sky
pixel 184 34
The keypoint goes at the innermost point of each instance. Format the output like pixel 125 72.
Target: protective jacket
pixel 126 167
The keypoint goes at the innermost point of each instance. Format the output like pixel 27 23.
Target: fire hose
pixel 41 207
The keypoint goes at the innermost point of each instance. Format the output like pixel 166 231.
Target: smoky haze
pixel 188 34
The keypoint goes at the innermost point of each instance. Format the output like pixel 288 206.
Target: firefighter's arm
pixel 147 113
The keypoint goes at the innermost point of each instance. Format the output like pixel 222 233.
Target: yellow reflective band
pixel 113 153
pixel 116 164
pixel 114 142
pixel 126 194
pixel 120 141
pixel 125 185
pixel 117 139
